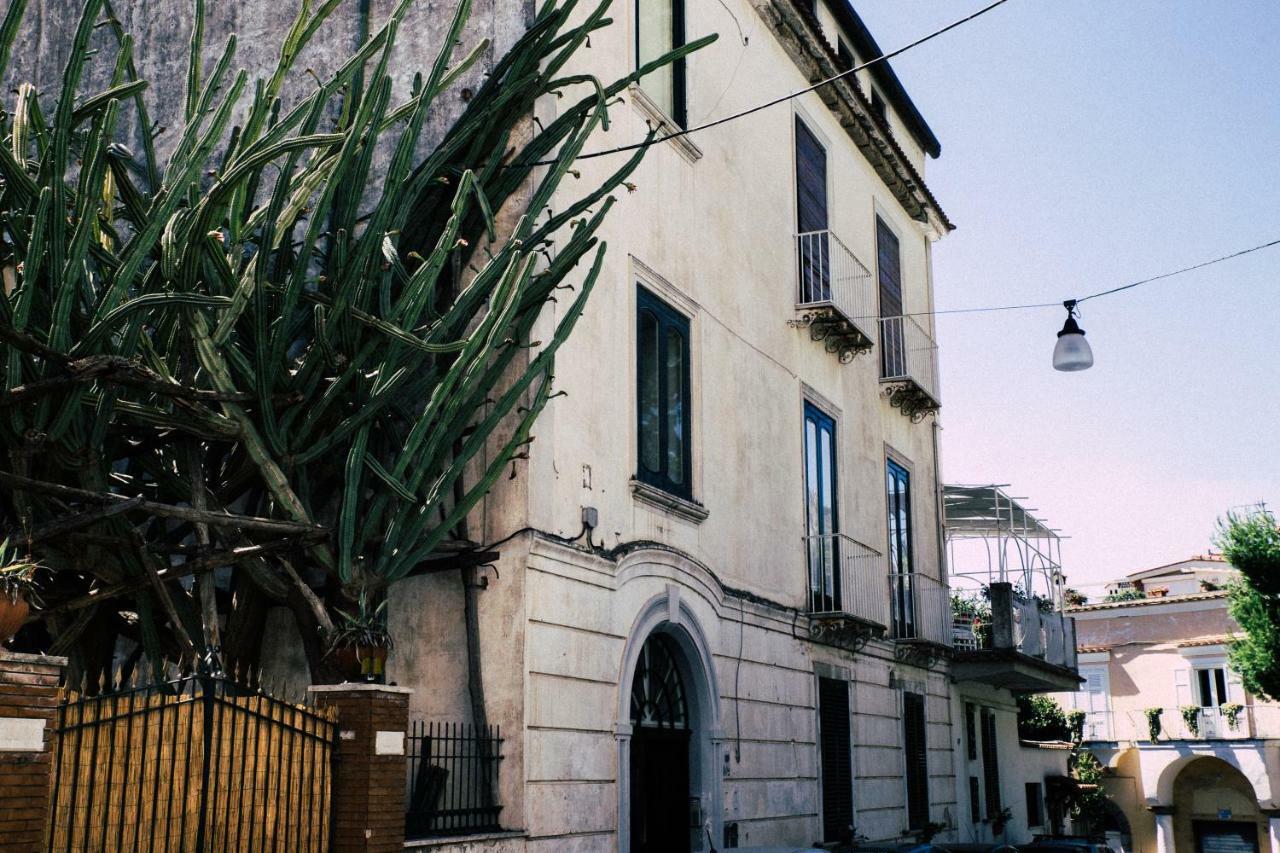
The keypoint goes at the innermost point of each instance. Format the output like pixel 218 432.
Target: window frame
pixel 901 588
pixel 668 318
pixel 822 421
pixel 679 70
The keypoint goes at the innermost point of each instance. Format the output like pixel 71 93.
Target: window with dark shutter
pixel 837 769
pixel 662 396
pixel 971 731
pixel 659 30
pixel 889 269
pixel 990 763
pixel 916 748
pixel 893 354
pixel 811 216
pixel 975 799
pixel 1035 814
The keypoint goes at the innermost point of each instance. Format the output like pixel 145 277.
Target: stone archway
pixel 1215 807
pixel 668 712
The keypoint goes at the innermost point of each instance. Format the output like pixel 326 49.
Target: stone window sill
pixel 677 506
pixel 663 123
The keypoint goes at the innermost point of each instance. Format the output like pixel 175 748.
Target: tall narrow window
pixel 837 770
pixel 820 510
pixel 916 747
pixel 813 241
pixel 990 763
pixel 893 352
pixel 659 30
pixel 662 395
pixel 898 494
pixel 970 732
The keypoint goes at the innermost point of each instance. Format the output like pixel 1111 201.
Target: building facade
pixel 1193 759
pixel 721 614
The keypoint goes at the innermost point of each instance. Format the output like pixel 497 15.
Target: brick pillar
pixel 370 770
pixel 28 705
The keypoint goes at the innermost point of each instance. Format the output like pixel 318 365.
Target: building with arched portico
pixel 1209 779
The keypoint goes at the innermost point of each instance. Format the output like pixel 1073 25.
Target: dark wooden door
pixel 837 770
pixel 660 791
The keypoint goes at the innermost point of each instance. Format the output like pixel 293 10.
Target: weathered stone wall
pixel 162 31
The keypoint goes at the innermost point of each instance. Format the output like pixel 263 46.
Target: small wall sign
pixel 21 734
pixel 1224 814
pixel 388 743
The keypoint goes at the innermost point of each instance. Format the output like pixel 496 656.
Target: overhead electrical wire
pixel 1020 307
pixel 680 132
pixel 707 125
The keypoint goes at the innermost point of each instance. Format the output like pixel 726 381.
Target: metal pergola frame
pixel 1020 547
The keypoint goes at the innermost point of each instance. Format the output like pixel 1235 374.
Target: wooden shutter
pixel 837 769
pixel 889 268
pixel 990 763
pixel 1182 687
pixel 811 181
pixel 915 742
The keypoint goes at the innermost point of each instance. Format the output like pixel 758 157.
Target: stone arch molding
pixel 671 613
pixel 1257 763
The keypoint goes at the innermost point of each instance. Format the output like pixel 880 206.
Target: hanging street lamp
pixel 1072 351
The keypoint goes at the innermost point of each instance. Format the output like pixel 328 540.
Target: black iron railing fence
pixel 453 779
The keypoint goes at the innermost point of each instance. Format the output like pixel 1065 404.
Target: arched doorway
pixel 668 710
pixel 1216 809
pixel 660 750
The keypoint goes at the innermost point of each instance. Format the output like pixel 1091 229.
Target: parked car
pixel 1064 844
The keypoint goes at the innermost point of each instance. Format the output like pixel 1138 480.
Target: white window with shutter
pixel 1094 698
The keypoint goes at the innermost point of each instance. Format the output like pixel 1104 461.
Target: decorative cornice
pixel 677 506
pixel 814 57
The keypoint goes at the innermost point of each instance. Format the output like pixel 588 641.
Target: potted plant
pixel 1153 722
pixel 361 641
pixel 1231 710
pixel 1000 820
pixel 18 590
pixel 1191 717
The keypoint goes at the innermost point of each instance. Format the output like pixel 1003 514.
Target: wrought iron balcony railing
pixel 909 366
pixel 847 603
pixel 921 608
pixel 835 295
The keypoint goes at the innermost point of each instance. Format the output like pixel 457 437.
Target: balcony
pixel 847 604
pixel 909 367
pixel 835 296
pixel 921 616
pixel 1251 722
pixel 1020 646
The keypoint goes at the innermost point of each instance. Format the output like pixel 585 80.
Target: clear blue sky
pixel 1086 145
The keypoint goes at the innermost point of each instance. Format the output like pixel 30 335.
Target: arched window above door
pixel 657 690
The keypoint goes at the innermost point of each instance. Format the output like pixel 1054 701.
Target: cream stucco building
pixel 1211 779
pixel 721 612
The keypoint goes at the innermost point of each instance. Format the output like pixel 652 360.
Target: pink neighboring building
pixel 1210 780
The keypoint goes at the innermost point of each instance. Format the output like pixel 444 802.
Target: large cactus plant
pixel 282 347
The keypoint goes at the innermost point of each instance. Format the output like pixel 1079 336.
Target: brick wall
pixel 369 773
pixel 28 692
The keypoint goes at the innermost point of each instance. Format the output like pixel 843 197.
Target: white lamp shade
pixel 1072 352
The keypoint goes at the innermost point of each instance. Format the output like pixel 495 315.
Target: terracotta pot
pixel 13 613
pixel 360 663
pixel 345 662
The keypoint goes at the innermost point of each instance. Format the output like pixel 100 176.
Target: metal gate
pixel 199 763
